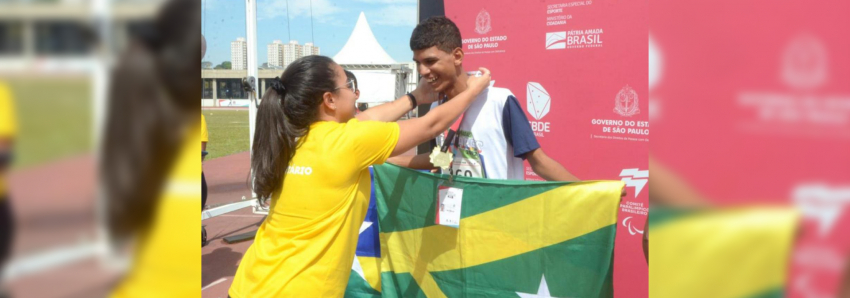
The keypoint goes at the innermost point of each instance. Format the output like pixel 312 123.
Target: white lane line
pixel 236 215
pixel 221 280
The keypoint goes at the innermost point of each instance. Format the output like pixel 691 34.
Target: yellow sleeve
pixel 8 121
pixel 372 142
pixel 205 135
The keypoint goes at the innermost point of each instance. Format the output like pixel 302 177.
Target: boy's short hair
pixel 436 31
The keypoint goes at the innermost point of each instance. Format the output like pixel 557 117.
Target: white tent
pixel 362 48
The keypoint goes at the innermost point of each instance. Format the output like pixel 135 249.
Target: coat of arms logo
pixel 626 102
pixel 482 22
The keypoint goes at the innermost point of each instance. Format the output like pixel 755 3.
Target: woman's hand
pixel 424 93
pixel 479 83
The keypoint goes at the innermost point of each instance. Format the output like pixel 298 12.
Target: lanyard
pixel 451 134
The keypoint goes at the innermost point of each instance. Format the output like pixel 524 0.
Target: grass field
pixel 54 118
pixel 55 121
pixel 228 132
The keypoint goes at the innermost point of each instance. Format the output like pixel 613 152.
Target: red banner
pixel 579 68
pixel 753 106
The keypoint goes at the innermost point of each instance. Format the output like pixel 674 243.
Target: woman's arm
pixel 416 131
pixel 393 111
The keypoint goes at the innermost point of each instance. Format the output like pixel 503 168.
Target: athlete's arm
pixel 547 168
pixel 668 189
pixel 417 162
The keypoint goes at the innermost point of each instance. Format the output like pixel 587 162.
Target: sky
pixel 392 22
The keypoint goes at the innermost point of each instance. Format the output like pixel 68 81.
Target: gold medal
pixel 441 159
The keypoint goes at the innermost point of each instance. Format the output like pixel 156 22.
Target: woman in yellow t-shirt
pixel 149 168
pixel 8 131
pixel 311 157
pixel 205 138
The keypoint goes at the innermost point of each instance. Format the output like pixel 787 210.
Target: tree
pixel 206 65
pixel 224 65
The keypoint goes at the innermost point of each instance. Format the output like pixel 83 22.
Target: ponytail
pixel 273 142
pixel 289 107
pixel 147 117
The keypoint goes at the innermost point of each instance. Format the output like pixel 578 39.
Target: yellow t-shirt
pixel 306 245
pixel 205 135
pixel 8 125
pixel 168 257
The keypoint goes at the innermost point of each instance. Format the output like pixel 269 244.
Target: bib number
pixel 466 167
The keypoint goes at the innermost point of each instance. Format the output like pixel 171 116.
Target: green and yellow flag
pixel 515 238
pixel 720 253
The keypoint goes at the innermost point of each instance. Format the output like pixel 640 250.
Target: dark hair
pixel 350 76
pixel 178 54
pixel 147 116
pixel 436 31
pixel 284 118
